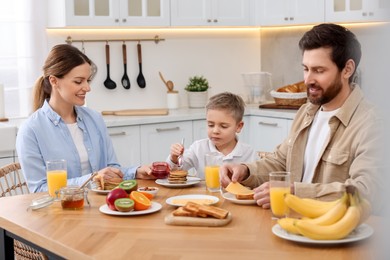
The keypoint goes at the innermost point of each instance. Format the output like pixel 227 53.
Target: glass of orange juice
pixel 212 162
pixel 279 185
pixel 56 172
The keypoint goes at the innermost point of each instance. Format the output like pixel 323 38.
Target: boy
pixel 224 113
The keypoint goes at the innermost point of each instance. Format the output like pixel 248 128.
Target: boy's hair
pixel 228 101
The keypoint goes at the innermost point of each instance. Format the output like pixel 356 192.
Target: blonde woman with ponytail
pixel 61 127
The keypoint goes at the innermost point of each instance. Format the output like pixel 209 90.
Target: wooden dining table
pixel 91 234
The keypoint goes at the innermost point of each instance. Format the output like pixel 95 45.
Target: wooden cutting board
pixel 275 106
pixel 137 112
pixel 193 221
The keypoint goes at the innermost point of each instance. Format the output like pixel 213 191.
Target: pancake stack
pixel 177 177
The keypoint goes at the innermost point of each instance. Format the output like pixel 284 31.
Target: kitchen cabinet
pixel 127 145
pixel 266 133
pixel 289 12
pixel 156 139
pixel 357 10
pixel 108 13
pixel 211 12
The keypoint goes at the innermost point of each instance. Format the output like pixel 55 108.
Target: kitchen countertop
pixel 181 114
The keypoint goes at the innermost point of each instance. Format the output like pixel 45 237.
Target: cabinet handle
pixel 117 20
pixel 364 14
pixel 370 13
pixel 286 18
pixel 117 133
pixel 209 20
pixel 269 124
pixel 291 18
pixel 124 20
pixel 167 129
pixel 215 20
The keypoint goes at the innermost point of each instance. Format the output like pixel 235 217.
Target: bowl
pixel 289 99
pixel 150 190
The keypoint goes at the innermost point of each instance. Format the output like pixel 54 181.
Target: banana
pixel 334 214
pixel 288 225
pixel 338 230
pixel 308 207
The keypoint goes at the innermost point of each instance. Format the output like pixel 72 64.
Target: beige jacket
pixel 351 156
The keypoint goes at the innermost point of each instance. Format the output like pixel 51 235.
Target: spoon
pixel 88 180
pixel 140 79
pixel 108 83
pixel 168 83
pixel 180 157
pixel 125 78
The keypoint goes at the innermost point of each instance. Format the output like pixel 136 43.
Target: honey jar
pixel 72 197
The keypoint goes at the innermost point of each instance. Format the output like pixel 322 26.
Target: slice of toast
pixel 206 210
pixel 244 196
pixel 181 212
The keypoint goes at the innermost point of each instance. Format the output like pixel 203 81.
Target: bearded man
pixel 335 139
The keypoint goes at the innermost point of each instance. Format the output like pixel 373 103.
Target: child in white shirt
pixel 224 114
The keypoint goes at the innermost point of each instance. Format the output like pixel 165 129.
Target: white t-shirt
pixel 77 136
pixel 319 133
pixel 193 156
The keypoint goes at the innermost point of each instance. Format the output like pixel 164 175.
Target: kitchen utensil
pixel 137 112
pixel 108 83
pixel 125 78
pixel 140 79
pixel 168 83
pixel 88 180
pixel 180 157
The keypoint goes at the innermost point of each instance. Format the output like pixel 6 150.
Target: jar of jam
pixel 72 197
pixel 160 170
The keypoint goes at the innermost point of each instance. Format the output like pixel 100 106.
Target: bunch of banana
pixel 336 222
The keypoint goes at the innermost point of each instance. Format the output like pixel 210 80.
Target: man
pixel 335 139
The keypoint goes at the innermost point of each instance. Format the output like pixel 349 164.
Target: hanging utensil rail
pixel 156 40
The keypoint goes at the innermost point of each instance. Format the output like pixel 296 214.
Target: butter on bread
pixel 241 192
pixel 192 209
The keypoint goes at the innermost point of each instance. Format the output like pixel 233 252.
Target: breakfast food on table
pixel 124 205
pixel 128 185
pixel 336 220
pixel 113 195
pixel 192 209
pixel 152 191
pixel 101 184
pixel 141 202
pixel 177 177
pixel 241 192
pixel 198 201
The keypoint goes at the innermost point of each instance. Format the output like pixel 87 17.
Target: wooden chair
pixel 12 183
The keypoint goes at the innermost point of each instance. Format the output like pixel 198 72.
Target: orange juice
pixel 56 180
pixel 278 207
pixel 212 177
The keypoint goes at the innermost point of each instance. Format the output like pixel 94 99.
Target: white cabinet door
pixel 266 132
pixel 289 12
pixel 211 12
pixel 108 13
pixel 127 145
pixel 357 10
pixel 199 130
pixel 156 139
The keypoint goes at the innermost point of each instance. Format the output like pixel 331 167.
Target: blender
pixel 259 85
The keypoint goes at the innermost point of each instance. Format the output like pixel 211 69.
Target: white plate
pixel 101 191
pixel 361 232
pixel 154 208
pixel 170 201
pixel 231 197
pixel 190 181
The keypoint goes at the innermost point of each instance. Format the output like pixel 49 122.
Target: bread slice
pixel 181 212
pixel 206 210
pixel 244 196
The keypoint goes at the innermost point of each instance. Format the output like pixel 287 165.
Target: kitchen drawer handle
pixel 167 129
pixel 118 133
pixel 269 124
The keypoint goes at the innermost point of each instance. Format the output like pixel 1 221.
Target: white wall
pixel 219 55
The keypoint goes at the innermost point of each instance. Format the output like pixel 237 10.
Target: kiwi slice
pixel 124 204
pixel 128 185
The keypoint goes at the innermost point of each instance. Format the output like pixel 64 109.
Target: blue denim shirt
pixel 44 136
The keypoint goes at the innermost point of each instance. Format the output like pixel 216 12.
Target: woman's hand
pixel 144 172
pixel 110 174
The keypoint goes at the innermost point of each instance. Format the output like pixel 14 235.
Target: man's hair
pixel 228 101
pixel 340 40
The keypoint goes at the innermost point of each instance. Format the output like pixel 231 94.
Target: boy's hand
pixel 176 150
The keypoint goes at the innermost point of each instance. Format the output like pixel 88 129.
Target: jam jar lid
pixel 41 202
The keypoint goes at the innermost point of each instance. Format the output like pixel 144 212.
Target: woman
pixel 62 128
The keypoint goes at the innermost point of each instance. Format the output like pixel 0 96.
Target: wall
pixel 219 55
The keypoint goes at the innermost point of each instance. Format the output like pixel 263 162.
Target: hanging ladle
pixel 140 79
pixel 168 83
pixel 108 83
pixel 125 78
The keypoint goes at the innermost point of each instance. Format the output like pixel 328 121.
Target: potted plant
pixel 197 91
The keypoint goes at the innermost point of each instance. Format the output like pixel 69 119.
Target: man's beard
pixel 327 96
